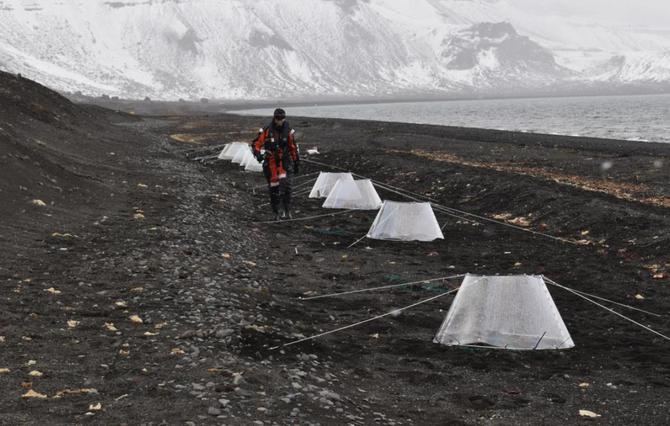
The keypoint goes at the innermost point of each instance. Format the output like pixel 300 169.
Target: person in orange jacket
pixel 276 148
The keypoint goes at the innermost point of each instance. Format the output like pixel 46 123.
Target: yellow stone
pixel 32 394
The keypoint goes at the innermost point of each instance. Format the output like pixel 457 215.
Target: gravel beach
pixel 142 284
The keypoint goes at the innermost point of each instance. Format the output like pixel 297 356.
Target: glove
pixel 259 157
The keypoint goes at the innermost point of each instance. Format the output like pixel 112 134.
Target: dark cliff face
pixel 500 41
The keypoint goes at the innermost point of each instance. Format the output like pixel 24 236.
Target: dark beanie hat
pixel 279 113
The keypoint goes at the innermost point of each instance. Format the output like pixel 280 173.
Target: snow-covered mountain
pixel 169 49
pixel 632 68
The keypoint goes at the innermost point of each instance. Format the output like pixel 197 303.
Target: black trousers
pixel 280 195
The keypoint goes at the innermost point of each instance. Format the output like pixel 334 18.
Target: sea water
pixel 644 118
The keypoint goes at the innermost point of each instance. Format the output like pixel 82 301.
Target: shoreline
pixel 614 119
pixel 184 109
pixel 236 104
pixel 546 140
pixel 376 101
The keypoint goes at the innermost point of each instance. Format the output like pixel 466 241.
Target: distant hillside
pixel 193 49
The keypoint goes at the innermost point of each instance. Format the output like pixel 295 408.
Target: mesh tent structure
pixel 405 222
pixel 253 165
pixel 248 158
pixel 512 312
pixel 354 195
pixel 241 154
pixel 223 152
pixel 325 182
pixel 231 149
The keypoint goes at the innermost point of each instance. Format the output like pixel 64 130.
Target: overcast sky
pixel 653 13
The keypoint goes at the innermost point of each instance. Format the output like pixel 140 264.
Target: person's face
pixel 279 121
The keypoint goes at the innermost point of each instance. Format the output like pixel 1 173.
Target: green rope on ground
pixel 332 231
pixel 393 278
pixel 435 288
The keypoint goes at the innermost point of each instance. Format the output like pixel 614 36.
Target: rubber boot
pixel 285 196
pixel 275 201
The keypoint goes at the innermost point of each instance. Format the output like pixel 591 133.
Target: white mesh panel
pixel 253 166
pixel 325 182
pixel 405 222
pixel 225 149
pixel 248 157
pixel 241 153
pixel 231 150
pixel 513 312
pixel 356 195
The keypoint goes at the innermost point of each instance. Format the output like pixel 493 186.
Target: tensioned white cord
pixel 438 207
pixel 550 281
pixel 357 241
pixel 393 312
pixel 304 183
pixel 298 177
pixel 294 179
pixel 205 148
pixel 296 193
pixel 380 224
pixel 302 192
pixel 449 210
pixel 309 217
pixel 381 288
pixel 617 303
pixel 293 194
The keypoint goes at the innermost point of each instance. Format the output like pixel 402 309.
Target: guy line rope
pixel 396 311
pixel 442 208
pixel 322 296
pixel 309 217
pixel 294 179
pixel 393 312
pixel 303 191
pixel 576 293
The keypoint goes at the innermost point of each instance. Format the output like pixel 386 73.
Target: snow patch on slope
pixel 172 49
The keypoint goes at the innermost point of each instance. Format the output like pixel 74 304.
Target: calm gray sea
pixel 640 118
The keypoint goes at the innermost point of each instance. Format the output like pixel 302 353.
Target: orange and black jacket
pixel 281 150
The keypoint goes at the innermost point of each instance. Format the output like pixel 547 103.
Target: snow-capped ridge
pixel 170 49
